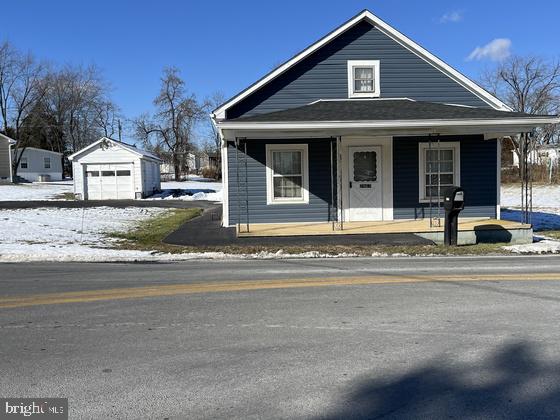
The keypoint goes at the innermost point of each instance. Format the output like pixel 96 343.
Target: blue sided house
pixel 361 132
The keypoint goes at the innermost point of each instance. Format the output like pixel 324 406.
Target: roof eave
pixel 303 125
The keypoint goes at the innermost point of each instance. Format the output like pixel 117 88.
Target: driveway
pixel 73 204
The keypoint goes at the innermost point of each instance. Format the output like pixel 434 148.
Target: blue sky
pixel 226 45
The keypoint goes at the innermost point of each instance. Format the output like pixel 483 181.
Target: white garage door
pixel 109 182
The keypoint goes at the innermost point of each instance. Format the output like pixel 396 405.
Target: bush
pixel 541 174
pixel 210 172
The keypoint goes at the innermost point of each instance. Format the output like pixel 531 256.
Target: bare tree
pixel 530 85
pixel 108 118
pixel 20 91
pixel 75 106
pixel 213 143
pixel 171 127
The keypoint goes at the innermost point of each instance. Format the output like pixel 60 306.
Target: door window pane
pixel 365 166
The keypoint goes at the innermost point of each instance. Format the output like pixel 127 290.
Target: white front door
pixel 365 188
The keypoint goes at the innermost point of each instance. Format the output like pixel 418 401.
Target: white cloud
pixel 454 16
pixel 496 50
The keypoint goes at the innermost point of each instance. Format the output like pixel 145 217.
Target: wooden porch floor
pixel 356 228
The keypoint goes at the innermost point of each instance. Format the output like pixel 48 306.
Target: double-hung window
pixel 47 162
pixel 363 78
pixel 439 166
pixel 23 163
pixel 287 173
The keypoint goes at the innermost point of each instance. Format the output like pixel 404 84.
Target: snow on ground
pixel 35 191
pixel 59 234
pixel 540 246
pixel 48 234
pixel 195 188
pixel 546 205
pixel 545 216
pixel 543 196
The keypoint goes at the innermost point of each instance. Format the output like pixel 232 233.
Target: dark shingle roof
pixel 381 110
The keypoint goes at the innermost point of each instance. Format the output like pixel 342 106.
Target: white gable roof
pixel 43 150
pixel 127 147
pixel 484 95
pixel 10 140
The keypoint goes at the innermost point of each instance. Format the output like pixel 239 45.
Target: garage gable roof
pixel 220 112
pixel 125 146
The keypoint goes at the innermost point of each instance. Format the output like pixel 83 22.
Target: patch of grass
pixel 555 234
pixel 148 234
pixel 66 196
pixel 360 250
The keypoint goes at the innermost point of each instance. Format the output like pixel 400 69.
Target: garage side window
pixel 439 169
pixel 287 170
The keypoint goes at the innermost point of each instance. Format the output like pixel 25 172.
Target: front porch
pixel 471 230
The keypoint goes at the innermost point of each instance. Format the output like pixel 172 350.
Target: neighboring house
pixel 363 125
pixel 5 159
pixel 548 154
pixel 193 163
pixel 110 170
pixel 39 165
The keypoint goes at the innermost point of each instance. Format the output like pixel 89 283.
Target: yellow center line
pixel 213 287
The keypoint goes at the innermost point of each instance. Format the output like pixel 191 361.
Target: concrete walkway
pixel 207 231
pixel 73 204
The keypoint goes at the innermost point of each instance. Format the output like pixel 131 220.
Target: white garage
pixel 112 170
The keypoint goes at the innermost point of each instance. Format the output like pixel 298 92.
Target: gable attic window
pixel 363 79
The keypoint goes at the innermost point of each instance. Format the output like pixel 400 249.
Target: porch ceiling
pixel 356 228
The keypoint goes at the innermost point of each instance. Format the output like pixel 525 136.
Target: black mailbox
pixel 453 203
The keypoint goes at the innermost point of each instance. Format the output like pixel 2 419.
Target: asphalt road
pixel 351 338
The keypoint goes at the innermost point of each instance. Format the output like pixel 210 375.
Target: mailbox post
pixel 453 203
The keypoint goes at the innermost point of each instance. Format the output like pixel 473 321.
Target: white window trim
pixel 422 147
pixel 45 159
pixel 269 173
pixel 376 85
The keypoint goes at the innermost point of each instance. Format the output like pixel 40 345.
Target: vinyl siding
pixel 4 160
pixel 323 75
pixel 36 165
pixel 317 210
pixel 478 177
